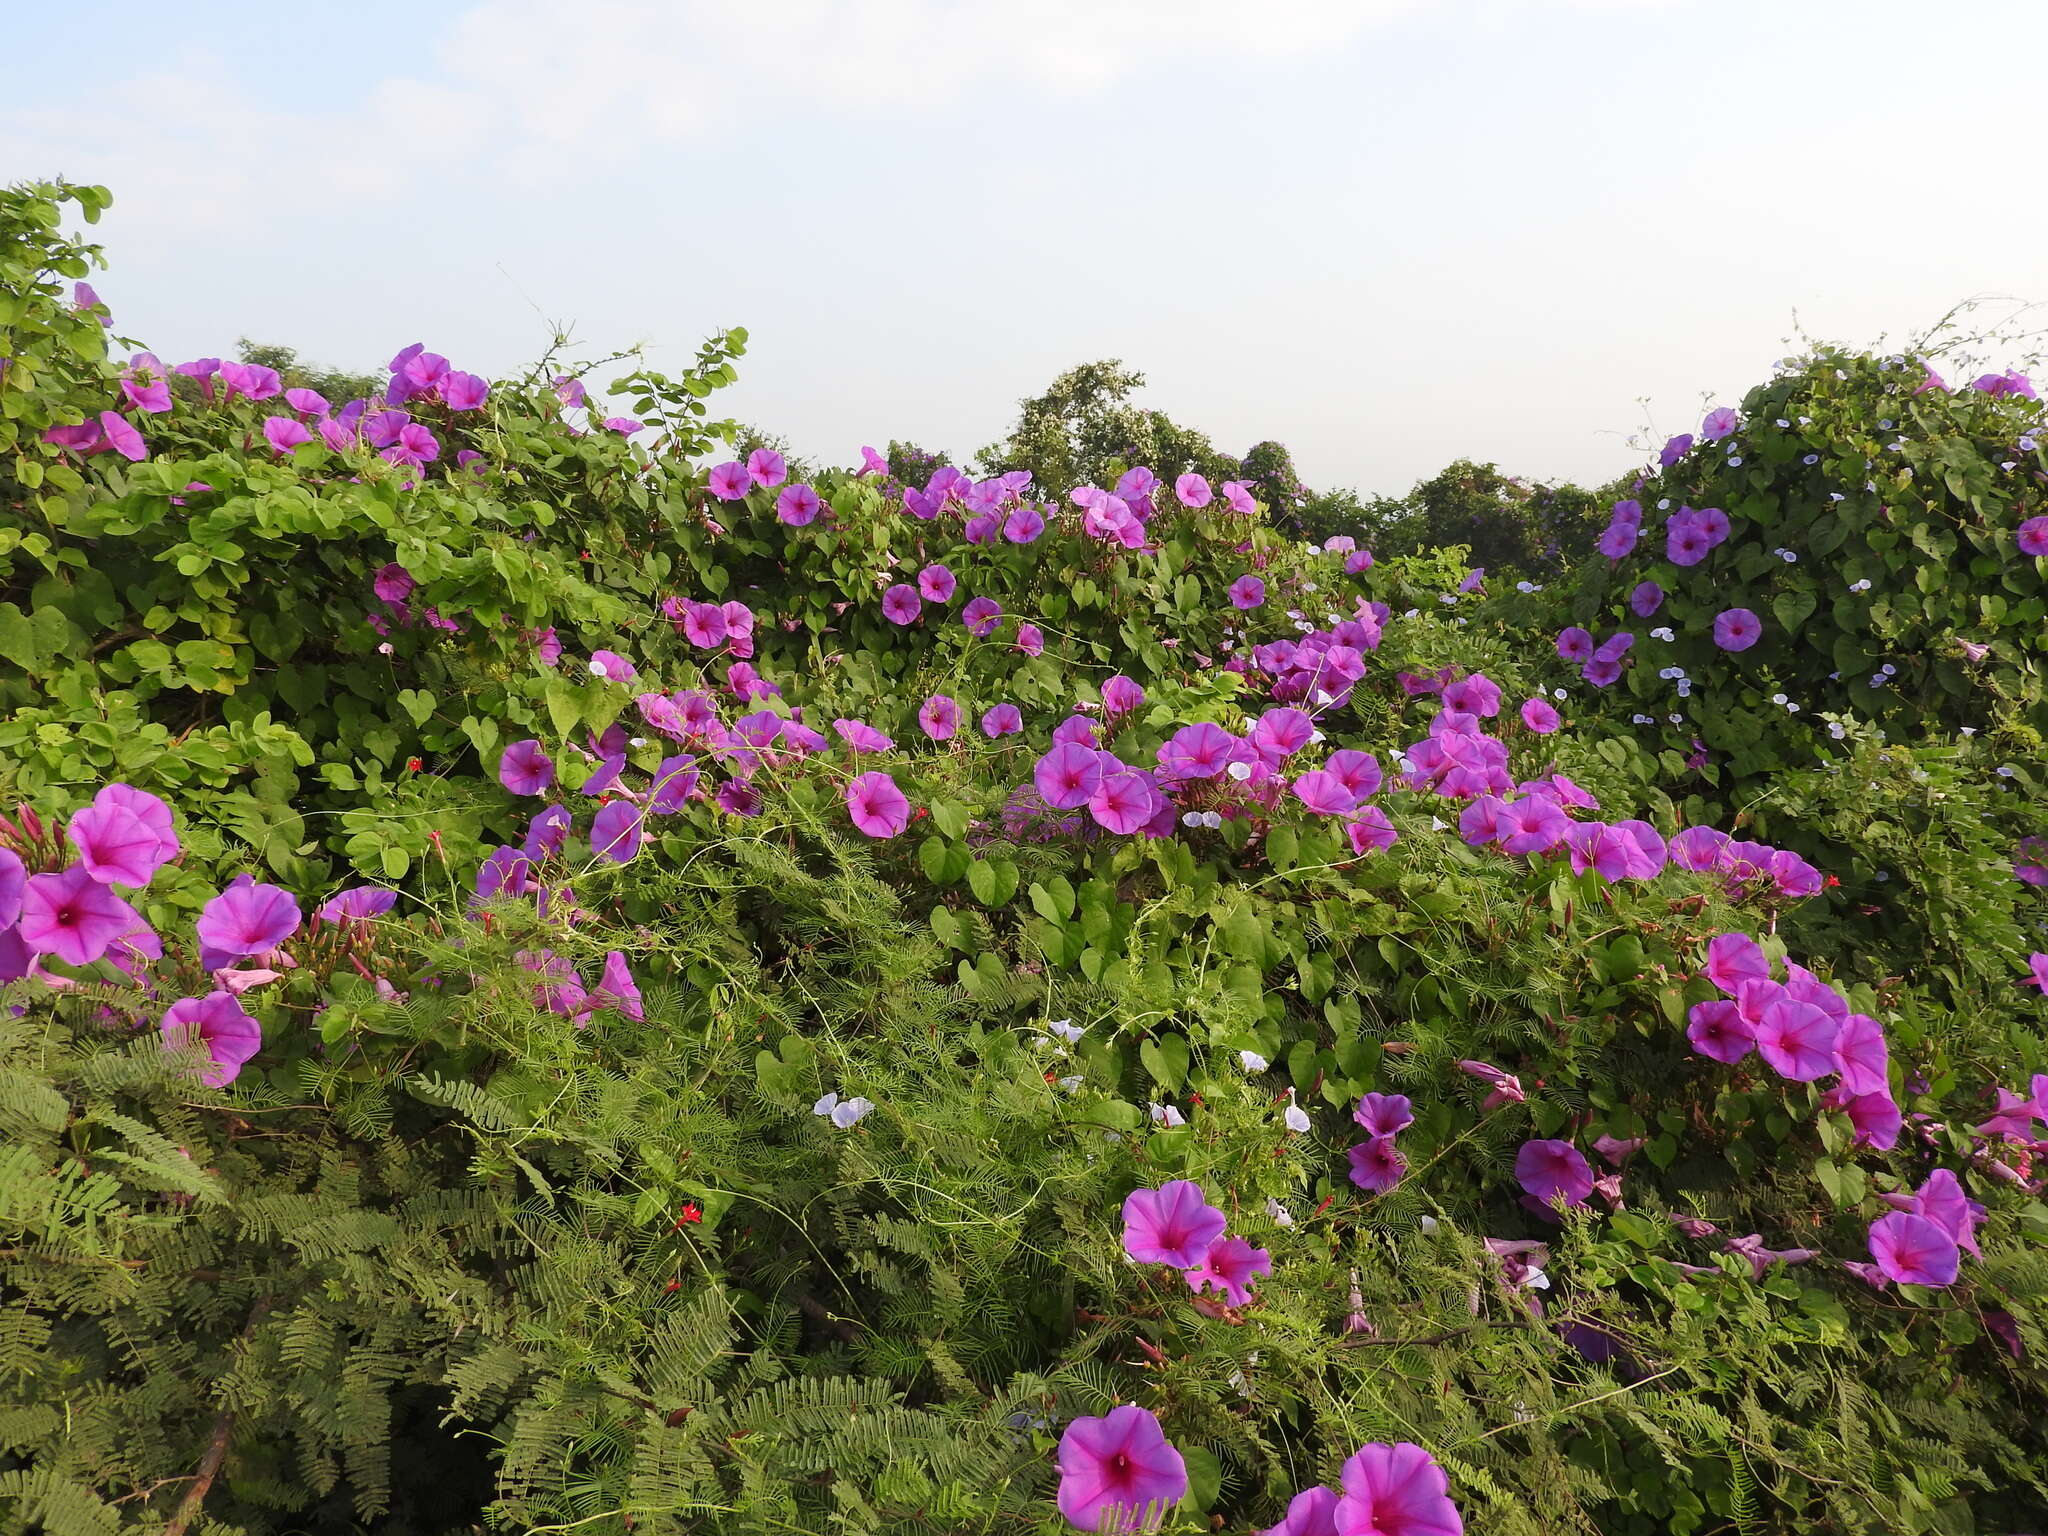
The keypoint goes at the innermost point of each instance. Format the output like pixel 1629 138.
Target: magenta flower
pixel 616 830
pixel 1876 1118
pixel 283 433
pixel 115 846
pixel 1553 1170
pixel 1595 845
pixel 981 615
pixel 217 1022
pixel 1396 1490
pixel 1913 1250
pixel 1645 599
pixel 1192 490
pixel 251 380
pixel 1384 1114
pixel 1023 525
pixel 1732 959
pixel 359 903
pixel 1376 1166
pixel 1861 1056
pixel 728 481
pixel 1200 751
pixel 1575 644
pixel 1324 793
pixel 569 390
pixel 861 736
pixel 939 717
pixel 704 624
pixel 526 770
pixel 1737 629
pixel 1247 592
pixel 1030 639
pixel 1117 1473
pixel 766 468
pixel 673 785
pixel 1239 496
pixel 2032 537
pixel 1067 775
pixel 1002 720
pixel 612 667
pixel 1370 831
pixel 1797 1039
pixel 1123 802
pixel 1231 1267
pixel 72 916
pixel 13 880
pixel 122 437
pixel 1358 771
pixel 1312 1512
pixel 797 505
pixel 1280 733
pixel 626 426
pixel 463 391
pixel 1172 1224
pixel 1540 717
pixel 901 604
pixel 877 806
pixel 1720 423
pixel 1534 824
pixel 245 919
pixel 1719 1029
pixel 616 986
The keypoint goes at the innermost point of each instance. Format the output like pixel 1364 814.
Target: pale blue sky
pixel 1387 232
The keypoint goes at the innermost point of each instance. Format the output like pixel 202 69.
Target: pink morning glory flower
pixel 1396 1490
pixel 1231 1267
pixel 616 986
pixel 1534 824
pixel 250 380
pixel 981 615
pixel 1239 496
pixel 1384 1114
pixel 359 903
pixel 1540 717
pixel 1720 423
pixel 1067 775
pixel 1719 1030
pixel 612 667
pixel 13 880
pixel 245 919
pixel 901 604
pixel 797 505
pixel 283 433
pixel 729 481
pixel 1123 802
pixel 1172 1224
pixel 939 717
pixel 115 846
pixel 766 468
pixel 1280 733
pixel 72 916
pixel 525 769
pixel 569 391
pixel 1737 629
pixel 626 426
pixel 1861 1056
pixel 1875 1116
pixel 1797 1040
pixel 876 805
pixel 1732 959
pixel 2032 537
pixel 1199 751
pixel 1312 1512
pixel 1118 1473
pixel 1913 1250
pixel 1550 1170
pixel 1376 1166
pixel 1358 771
pixel 1324 793
pixel 1121 695
pixel 616 830
pixel 122 437
pixel 1575 644
pixel 1002 720
pixel 1192 491
pixel 704 625
pixel 463 391
pixel 1370 831
pixel 217 1022
pixel 936 584
pixel 861 736
pixel 1023 525
pixel 1247 592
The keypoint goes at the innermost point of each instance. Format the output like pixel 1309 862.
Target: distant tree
pixel 911 464
pixel 1508 523
pixel 1083 430
pixel 336 384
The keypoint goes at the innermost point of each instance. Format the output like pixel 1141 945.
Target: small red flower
pixel 1831 881
pixel 414 764
pixel 690 1215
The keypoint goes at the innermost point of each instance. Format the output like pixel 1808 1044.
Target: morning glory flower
pixel 1252 1061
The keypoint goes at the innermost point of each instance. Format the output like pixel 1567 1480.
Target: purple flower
pixel 901 604
pixel 936 584
pixel 1023 525
pixel 1200 751
pixel 1539 716
pixel 1124 801
pixel 1875 1116
pixel 1384 1114
pixel 1534 824
pixel 1732 959
pixel 1312 1512
pixel 1676 449
pixel 674 782
pixel 251 380
pixel 861 736
pixel 2032 537
pixel 1172 1224
pixel 877 806
pixel 612 667
pixel 1192 490
pixel 704 624
pixel 72 916
pixel 245 919
pixel 1718 1029
pixel 1396 1490
pixel 797 505
pixel 1002 720
pixel 1797 1040
pixel 1117 1473
pixel 1861 1056
pixel 359 903
pixel 1645 599
pixel 1231 1267
pixel 728 481
pixel 463 391
pixel 1575 644
pixel 1376 1166
pixel 939 717
pixel 1370 831
pixel 123 837
pixel 1324 793
pixel 1280 733
pixel 1913 1250
pixel 626 426
pixel 981 615
pixel 1030 639
pixel 569 391
pixel 1247 592
pixel 1550 1170
pixel 217 1022
pixel 766 468
pixel 526 770
pixel 616 830
pixel 1737 629
pixel 1720 423
pixel 618 987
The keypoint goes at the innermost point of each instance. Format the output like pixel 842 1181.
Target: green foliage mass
pixel 444 1258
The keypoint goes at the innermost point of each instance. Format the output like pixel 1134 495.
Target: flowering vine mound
pixel 550 983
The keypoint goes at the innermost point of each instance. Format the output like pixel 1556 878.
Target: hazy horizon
pixel 1388 233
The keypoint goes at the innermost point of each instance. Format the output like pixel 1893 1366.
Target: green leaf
pixel 1167 1060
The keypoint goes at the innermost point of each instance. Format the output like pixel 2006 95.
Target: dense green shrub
pixel 472 1237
